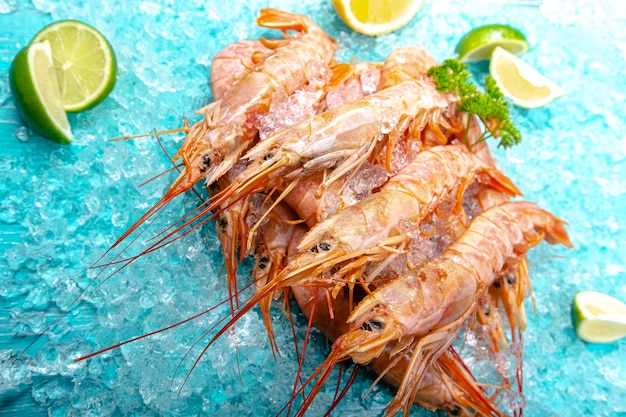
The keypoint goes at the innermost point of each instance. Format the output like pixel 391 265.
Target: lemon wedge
pixel 520 82
pixel 376 17
pixel 598 317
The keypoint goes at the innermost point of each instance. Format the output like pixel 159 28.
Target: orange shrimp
pixel 424 308
pixel 281 230
pixel 374 228
pixel 213 145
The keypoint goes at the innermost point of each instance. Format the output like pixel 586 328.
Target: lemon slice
pixel 36 92
pixel 598 317
pixel 479 43
pixel 520 82
pixel 84 61
pixel 376 17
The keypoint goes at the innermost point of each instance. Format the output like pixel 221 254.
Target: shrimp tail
pixel 500 182
pixel 475 397
pixel 549 227
pixel 271 18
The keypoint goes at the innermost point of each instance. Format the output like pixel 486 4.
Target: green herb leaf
pixel 490 107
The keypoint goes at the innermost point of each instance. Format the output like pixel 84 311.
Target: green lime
pixel 84 61
pixel 598 317
pixel 479 43
pixel 36 91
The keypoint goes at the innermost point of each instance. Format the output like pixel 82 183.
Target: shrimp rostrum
pixel 424 308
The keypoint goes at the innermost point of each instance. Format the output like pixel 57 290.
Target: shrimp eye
pixel 487 311
pixel 314 249
pixel 455 410
pixel 510 279
pixel 206 163
pixel 373 326
pixel 497 284
pixel 324 246
pixel 268 156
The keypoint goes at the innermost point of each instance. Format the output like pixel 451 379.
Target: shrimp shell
pixel 234 62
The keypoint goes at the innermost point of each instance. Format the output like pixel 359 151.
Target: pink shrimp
pixel 213 145
pixel 406 63
pixel 281 230
pixel 424 308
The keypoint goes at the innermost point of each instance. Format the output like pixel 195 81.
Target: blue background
pixel 61 207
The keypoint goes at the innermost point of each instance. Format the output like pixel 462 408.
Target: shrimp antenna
pixel 185 129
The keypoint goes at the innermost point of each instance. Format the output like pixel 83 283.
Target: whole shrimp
pixel 424 308
pixel 374 228
pixel 213 145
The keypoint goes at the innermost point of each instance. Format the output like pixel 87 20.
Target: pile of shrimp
pixel 360 190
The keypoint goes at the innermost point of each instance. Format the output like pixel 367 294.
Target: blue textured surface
pixel 61 207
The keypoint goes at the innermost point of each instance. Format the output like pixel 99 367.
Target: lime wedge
pixel 84 61
pixel 520 82
pixel 598 317
pixel 479 43
pixel 376 17
pixel 35 88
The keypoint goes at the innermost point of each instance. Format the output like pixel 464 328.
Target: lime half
pixel 520 82
pixel 35 88
pixel 376 17
pixel 84 60
pixel 598 317
pixel 479 43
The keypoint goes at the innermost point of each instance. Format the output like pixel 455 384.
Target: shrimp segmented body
pixel 406 63
pixel 425 307
pixel 234 62
pixel 213 146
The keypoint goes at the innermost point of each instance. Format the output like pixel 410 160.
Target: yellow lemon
pixel 376 17
pixel 520 82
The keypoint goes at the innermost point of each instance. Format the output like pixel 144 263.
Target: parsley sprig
pixel 490 107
